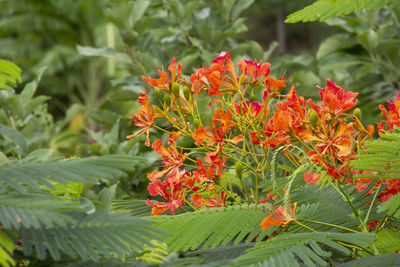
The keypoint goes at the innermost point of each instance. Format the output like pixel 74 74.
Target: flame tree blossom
pixel 252 114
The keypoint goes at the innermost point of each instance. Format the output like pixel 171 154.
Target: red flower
pixel 335 99
pixel 144 118
pixel 255 71
pixel 172 160
pixel 392 114
pixel 337 141
pixel 221 123
pixel 210 202
pixel 165 79
pixel 173 194
pixel 312 178
pixel 279 217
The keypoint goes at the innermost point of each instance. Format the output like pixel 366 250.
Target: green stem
pixel 372 203
pixel 304 226
pixel 329 224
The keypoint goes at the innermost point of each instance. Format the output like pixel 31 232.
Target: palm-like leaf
pixel 380 156
pixel 18 212
pixel 213 227
pixel 135 207
pixel 372 261
pixel 16 174
pixel 391 207
pixel 6 248
pixel 324 9
pixel 92 237
pixel 287 249
pixel 10 74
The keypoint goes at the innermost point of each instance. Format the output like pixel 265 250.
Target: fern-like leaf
pixel 210 228
pixel 135 207
pixel 323 9
pixel 10 75
pixel 18 173
pixel 94 236
pixel 381 157
pixel 6 249
pixel 221 254
pixel 287 249
pixel 391 207
pixel 373 261
pixel 388 241
pixel 30 212
pixel 325 205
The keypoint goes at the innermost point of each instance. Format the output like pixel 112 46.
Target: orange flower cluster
pixel 251 116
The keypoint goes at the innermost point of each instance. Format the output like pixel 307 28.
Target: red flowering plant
pixel 251 117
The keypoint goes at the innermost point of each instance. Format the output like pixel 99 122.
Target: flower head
pixel 335 99
pixel 144 118
pixel 279 216
pixel 164 78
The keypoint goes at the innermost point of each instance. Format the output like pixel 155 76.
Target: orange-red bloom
pixel 221 123
pixel 335 99
pixel 144 118
pixel 392 114
pixel 279 217
pixel 165 79
pixel 255 71
pixel 211 202
pixel 172 160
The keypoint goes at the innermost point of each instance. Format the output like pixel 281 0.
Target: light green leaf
pixel 139 7
pixel 16 138
pixel 339 61
pixel 102 52
pixel 239 7
pixel 331 44
pixel 6 249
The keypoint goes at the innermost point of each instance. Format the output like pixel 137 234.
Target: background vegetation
pixel 72 187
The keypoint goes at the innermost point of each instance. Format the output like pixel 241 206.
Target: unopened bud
pixel 196 123
pixel 239 169
pixel 186 92
pixel 175 89
pixel 156 94
pixel 167 99
pixel 314 118
pixel 357 113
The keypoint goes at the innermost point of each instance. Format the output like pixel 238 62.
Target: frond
pixel 309 248
pixel 18 173
pixel 387 241
pixel 381 156
pixel 322 204
pixel 6 249
pixel 210 228
pixel 391 206
pixel 135 207
pixel 30 212
pixel 319 205
pixel 372 261
pixel 221 254
pixel 323 9
pixel 10 75
pixel 94 236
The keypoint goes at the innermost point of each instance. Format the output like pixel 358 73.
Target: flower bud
pixel 196 123
pixel 239 169
pixel 167 99
pixel 157 94
pixel 357 113
pixel 175 89
pixel 186 92
pixel 314 118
